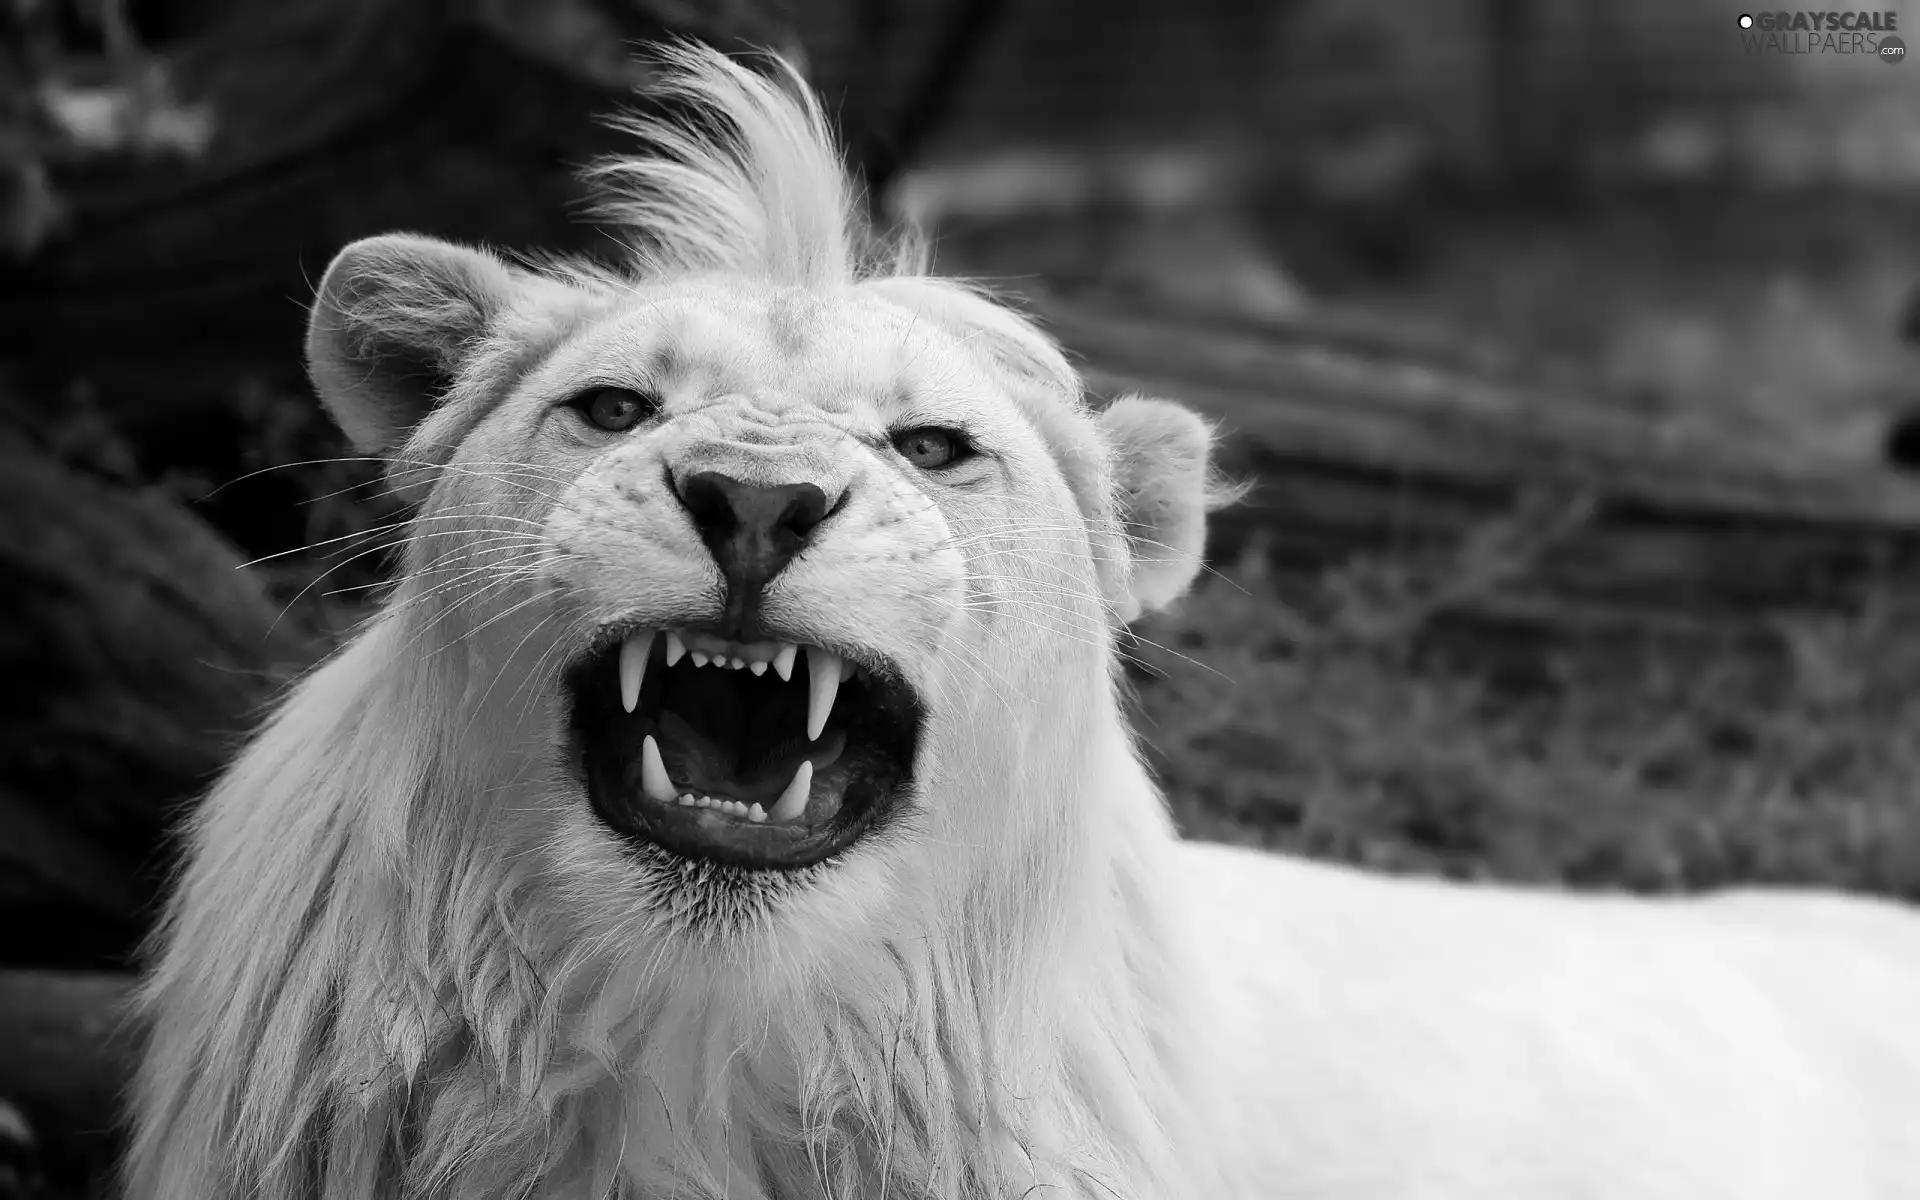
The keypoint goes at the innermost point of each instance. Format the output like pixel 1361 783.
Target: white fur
pixel 404 959
pixel 1412 1038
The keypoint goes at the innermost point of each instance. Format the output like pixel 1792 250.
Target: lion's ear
pixel 1163 488
pixel 394 318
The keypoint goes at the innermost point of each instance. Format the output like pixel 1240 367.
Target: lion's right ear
pixel 1164 486
pixel 394 318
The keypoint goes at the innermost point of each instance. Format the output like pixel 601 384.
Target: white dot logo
pixel 1746 22
pixel 1892 50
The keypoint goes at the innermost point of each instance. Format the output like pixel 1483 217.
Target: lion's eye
pixel 614 409
pixel 930 447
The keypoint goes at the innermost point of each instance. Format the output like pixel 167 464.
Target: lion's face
pixel 799 566
pixel 798 529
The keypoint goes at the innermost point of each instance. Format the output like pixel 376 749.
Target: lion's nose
pixel 753 530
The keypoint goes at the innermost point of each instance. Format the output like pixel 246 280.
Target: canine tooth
pixel 756 814
pixel 699 658
pixel 783 661
pixel 758 667
pixel 675 647
pixel 633 667
pixel 653 773
pixel 823 678
pixel 793 801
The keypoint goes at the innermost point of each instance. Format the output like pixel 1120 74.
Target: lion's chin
pixel 766 755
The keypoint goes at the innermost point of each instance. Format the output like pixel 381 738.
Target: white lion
pixel 732 800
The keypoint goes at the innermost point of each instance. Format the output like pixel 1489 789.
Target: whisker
pixel 507 662
pixel 448 613
pixel 373 460
pixel 376 531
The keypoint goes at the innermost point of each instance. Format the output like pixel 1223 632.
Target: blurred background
pixel 1568 345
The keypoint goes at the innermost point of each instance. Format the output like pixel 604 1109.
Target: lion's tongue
pixel 698 764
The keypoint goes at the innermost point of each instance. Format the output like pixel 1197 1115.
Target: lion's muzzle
pixel 756 726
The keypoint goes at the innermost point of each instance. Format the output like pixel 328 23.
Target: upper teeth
pixel 633 667
pixel 823 675
pixel 825 669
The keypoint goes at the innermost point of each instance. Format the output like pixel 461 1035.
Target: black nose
pixel 753 530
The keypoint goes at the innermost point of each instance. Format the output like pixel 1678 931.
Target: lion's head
pixel 818 563
pixel 745 711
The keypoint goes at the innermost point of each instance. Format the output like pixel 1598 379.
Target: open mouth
pixel 759 754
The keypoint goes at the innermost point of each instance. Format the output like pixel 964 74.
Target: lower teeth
pixel 791 805
pixel 733 808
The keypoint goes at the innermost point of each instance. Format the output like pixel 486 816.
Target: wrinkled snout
pixel 757 501
pixel 752 529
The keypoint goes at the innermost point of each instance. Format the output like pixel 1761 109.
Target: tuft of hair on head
pixel 739 173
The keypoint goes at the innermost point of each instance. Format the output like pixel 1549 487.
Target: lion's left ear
pixel 1163 488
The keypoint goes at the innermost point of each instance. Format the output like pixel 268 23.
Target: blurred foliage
pixel 83 80
pixel 344 520
pixel 1619 768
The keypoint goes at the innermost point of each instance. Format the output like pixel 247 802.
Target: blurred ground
pixel 1274 730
